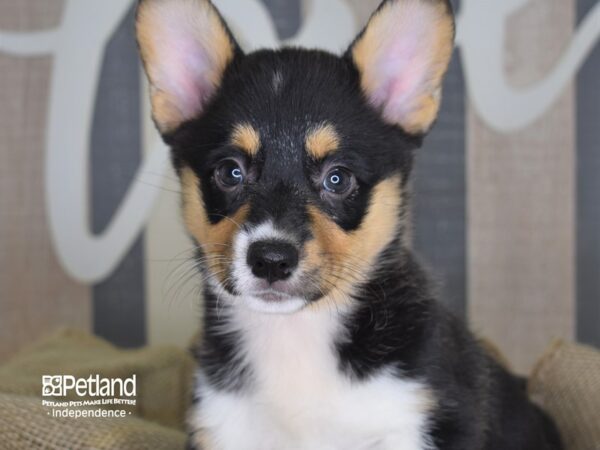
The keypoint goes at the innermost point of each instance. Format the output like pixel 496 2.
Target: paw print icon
pixel 52 385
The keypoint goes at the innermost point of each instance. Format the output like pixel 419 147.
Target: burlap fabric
pixel 566 383
pixel 163 373
pixel 25 425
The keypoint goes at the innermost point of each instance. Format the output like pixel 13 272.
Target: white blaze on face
pixel 254 290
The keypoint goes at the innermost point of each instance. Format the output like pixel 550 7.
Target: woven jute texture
pixel 25 425
pixel 566 384
pixel 163 374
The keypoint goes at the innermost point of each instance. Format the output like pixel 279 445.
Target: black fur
pixel 400 324
pixel 317 87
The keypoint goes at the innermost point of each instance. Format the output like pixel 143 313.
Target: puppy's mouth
pixel 242 284
pixel 272 296
pixel 286 297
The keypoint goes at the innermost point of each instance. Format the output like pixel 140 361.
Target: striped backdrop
pixel 508 222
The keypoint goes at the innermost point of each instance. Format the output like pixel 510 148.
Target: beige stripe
pixel 521 203
pixel 36 296
pixel 173 285
pixel 30 15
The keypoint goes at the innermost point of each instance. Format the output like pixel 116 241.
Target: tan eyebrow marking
pixel 322 140
pixel 246 137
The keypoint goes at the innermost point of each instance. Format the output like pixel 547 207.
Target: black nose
pixel 272 261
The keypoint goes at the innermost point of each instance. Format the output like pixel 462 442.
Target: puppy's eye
pixel 339 181
pixel 229 174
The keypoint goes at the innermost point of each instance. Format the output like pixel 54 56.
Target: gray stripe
pixel 118 301
pixel 439 204
pixel 286 15
pixel 588 194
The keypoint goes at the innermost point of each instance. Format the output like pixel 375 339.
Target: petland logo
pixel 100 397
pixel 93 386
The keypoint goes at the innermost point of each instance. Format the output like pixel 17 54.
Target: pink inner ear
pixel 185 74
pixel 399 73
pixel 185 49
pixel 402 63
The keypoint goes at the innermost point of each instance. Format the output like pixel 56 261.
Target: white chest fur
pixel 299 399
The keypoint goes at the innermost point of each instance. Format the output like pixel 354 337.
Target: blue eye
pixel 338 181
pixel 229 174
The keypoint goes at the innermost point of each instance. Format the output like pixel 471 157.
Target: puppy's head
pixel 293 163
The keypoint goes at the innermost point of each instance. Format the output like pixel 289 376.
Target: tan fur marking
pixel 207 30
pixel 246 138
pixel 367 49
pixel 215 239
pixel 322 140
pixel 166 115
pixel 349 257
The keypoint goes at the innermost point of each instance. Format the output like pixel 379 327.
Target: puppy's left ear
pixel 402 56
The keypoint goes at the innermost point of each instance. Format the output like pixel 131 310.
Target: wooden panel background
pixel 521 199
pixel 36 295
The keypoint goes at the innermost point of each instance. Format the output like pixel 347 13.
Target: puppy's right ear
pixel 185 47
pixel 402 56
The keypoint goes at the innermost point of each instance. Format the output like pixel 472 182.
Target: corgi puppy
pixel 321 331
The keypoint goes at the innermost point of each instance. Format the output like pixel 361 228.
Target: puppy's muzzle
pixel 272 260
